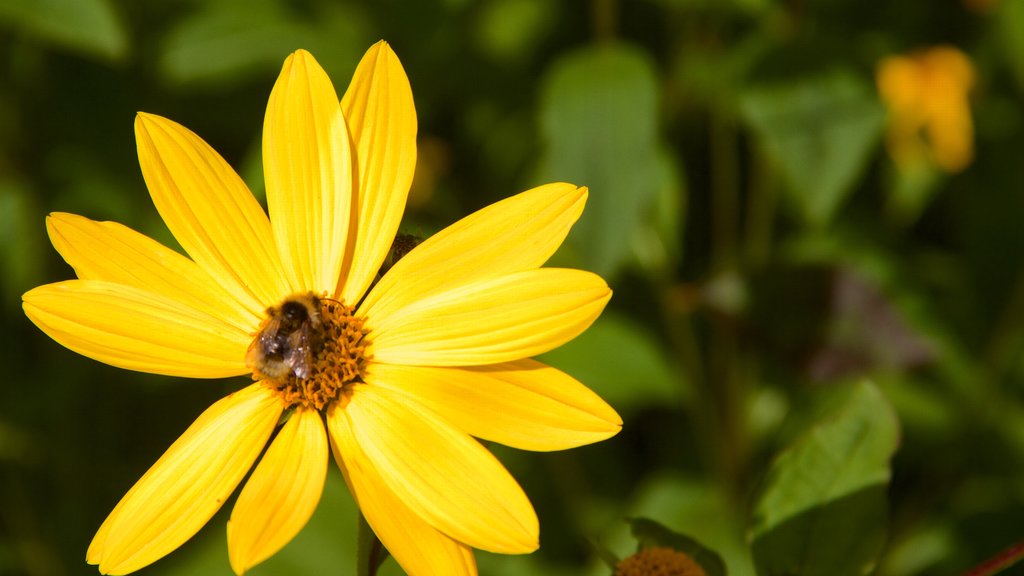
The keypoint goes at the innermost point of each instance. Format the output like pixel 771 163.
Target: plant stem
pixel 605 18
pixel 723 382
pixel 760 211
pixel 725 190
pixel 999 562
pixel 1007 336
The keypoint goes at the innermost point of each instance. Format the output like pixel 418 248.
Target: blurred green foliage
pixel 767 258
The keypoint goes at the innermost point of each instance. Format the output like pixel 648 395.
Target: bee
pixel 287 342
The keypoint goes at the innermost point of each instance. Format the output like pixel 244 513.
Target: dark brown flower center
pixel 659 561
pixel 309 350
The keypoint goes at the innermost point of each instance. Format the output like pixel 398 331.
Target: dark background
pixel 764 250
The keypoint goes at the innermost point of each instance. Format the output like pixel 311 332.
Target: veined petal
pixel 515 234
pixel 442 474
pixel 381 117
pixel 307 164
pixel 489 321
pixel 188 484
pixel 211 212
pixel 135 329
pixel 522 404
pixel 115 253
pixel 282 493
pixel 419 548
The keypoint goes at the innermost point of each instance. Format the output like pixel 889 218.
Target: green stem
pixel 760 211
pixel 728 395
pixel 683 335
pixel 1008 334
pixel 723 382
pixel 605 19
pixel 725 189
pixel 370 553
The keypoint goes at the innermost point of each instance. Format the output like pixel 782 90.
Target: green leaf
pixel 227 40
pixel 89 26
pixel 700 507
pixel 222 41
pixel 1010 25
pixel 911 189
pixel 621 362
pixel 325 544
pixel 650 534
pixel 751 7
pixel 658 243
pixel 823 509
pixel 820 132
pixel 599 117
pixel 603 553
pixel 22 240
pixel 509 30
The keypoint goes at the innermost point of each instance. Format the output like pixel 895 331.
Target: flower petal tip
pixel 144 118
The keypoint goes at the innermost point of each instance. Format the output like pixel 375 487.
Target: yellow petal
pixel 515 234
pixel 382 120
pixel 442 474
pixel 522 404
pixel 417 546
pixel 188 484
pixel 490 321
pixel 307 164
pixel 282 493
pixel 138 330
pixel 211 212
pixel 115 253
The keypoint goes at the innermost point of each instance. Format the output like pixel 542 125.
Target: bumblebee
pixel 286 344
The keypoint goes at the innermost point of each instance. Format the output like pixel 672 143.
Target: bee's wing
pixel 298 355
pixel 265 345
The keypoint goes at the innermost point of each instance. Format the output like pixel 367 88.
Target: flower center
pixel 310 350
pixel 658 561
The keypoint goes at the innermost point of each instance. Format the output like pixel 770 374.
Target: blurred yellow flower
pixel 929 112
pixel 394 375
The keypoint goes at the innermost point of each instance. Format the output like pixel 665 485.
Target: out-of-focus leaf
pixel 820 132
pixel 89 26
pixel 658 243
pixel 712 74
pixel 823 508
pixel 864 331
pixel 698 507
pixel 15 444
pixel 899 280
pixel 621 362
pixel 605 554
pixel 921 551
pixel 1010 23
pixel 910 191
pixel 734 6
pixel 508 30
pixel 326 543
pixel 650 533
pixel 226 40
pixel 599 118
pixel 505 565
pixel 21 239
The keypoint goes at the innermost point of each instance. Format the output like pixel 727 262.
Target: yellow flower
pixel 394 377
pixel 929 112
